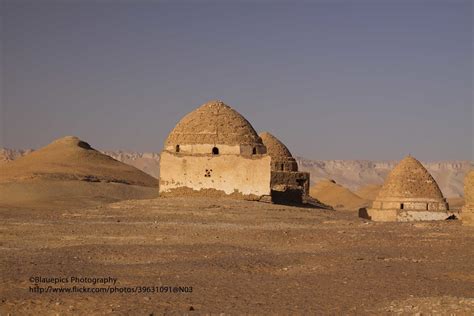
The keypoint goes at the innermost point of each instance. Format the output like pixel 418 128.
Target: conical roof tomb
pixel 409 193
pixel 409 179
pixel 467 214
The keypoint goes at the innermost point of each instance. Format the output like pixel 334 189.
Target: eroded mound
pixel 337 196
pixel 70 158
pixel 70 172
pixel 369 192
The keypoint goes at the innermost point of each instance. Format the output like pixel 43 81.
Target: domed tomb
pixel 409 194
pixel 288 185
pixel 214 127
pixel 467 214
pixel 215 151
pixel 282 160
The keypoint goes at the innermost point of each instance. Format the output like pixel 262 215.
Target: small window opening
pixel 254 151
pixel 401 206
pixel 177 148
pixel 427 207
pixel 215 151
pixel 282 167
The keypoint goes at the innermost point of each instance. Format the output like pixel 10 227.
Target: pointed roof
pixel 213 123
pixel 70 158
pixel 469 188
pixel 409 179
pixel 275 148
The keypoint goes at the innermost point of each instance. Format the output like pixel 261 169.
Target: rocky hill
pixel 353 174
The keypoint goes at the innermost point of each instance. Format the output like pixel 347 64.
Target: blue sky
pixel 332 79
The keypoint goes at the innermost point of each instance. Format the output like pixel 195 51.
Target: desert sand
pixel 68 211
pixel 238 256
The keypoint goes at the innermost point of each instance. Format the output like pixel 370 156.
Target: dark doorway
pixel 215 151
pixel 177 148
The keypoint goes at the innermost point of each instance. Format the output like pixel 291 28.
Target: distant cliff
pixel 147 162
pixel 7 155
pixel 352 174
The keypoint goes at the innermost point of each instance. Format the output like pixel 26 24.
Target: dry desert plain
pixel 237 256
pixel 68 211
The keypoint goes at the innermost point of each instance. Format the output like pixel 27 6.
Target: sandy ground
pixel 237 256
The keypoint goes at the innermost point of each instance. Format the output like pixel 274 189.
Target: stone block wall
pixel 289 186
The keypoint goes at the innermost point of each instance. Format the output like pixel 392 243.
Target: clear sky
pixel 360 79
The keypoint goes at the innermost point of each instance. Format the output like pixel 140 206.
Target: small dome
pixel 409 179
pixel 469 188
pixel 213 123
pixel 282 160
pixel 275 148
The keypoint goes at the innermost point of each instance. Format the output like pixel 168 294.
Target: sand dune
pixel 337 196
pixel 369 192
pixel 69 158
pixel 70 169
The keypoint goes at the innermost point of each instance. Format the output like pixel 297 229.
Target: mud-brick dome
pixel 213 123
pixel 282 159
pixel 275 148
pixel 469 188
pixel 409 179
